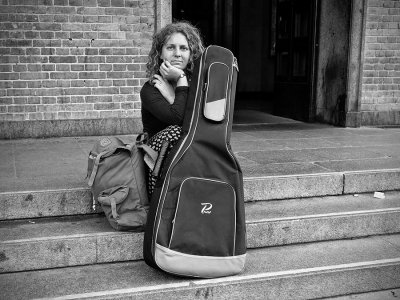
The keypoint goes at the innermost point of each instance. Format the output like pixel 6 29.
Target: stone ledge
pixel 65 202
pixel 371 181
pixel 65 128
pixel 353 119
pixel 286 187
pixel 380 118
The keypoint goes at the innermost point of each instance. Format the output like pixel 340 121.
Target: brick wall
pixel 380 102
pixel 73 59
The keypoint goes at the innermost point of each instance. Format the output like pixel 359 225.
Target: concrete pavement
pixel 277 149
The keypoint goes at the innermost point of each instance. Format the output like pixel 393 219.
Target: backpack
pixel 117 179
pixel 196 224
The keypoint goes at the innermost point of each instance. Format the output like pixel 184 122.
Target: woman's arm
pixel 154 102
pixel 172 73
pixel 165 88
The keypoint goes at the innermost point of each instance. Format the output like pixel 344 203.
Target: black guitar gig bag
pixel 196 223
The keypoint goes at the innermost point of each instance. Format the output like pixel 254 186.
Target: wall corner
pixel 355 63
pixel 163 13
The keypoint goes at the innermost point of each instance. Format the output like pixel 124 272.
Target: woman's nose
pixel 177 52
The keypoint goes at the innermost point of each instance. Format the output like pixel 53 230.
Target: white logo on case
pixel 206 208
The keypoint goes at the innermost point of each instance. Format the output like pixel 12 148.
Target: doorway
pixel 294 52
pixel 272 46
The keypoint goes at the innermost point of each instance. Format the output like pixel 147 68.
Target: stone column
pixel 354 76
pixel 163 13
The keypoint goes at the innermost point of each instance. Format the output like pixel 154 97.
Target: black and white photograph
pixel 209 149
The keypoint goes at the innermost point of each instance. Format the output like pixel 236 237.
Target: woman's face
pixel 176 51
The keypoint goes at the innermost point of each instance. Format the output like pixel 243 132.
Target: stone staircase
pixel 310 236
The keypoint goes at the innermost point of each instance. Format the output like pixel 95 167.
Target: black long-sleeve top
pixel 157 113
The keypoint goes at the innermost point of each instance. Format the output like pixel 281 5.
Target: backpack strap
pixel 142 138
pixel 150 155
pixel 112 197
pixel 97 160
pixel 152 158
pixel 160 159
pixel 95 167
pixel 114 208
pixel 106 146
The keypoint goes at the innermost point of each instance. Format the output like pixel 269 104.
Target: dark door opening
pixel 294 58
pixel 214 18
pixel 255 32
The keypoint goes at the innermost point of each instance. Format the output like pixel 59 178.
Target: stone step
pixel 307 271
pixel 390 294
pixel 82 240
pixel 78 200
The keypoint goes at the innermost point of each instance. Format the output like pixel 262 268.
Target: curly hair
pixel 193 37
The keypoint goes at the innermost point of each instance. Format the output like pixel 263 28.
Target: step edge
pixel 201 283
pixel 248 222
pixel 327 215
pixel 289 273
pixel 391 170
pixel 68 237
pixel 46 191
pixel 305 175
pixel 342 173
pixel 250 178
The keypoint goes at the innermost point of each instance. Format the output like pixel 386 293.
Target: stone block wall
pixel 380 100
pixel 69 60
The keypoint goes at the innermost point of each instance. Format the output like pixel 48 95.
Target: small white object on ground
pixel 379 195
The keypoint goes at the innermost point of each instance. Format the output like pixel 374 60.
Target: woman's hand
pixel 165 88
pixel 170 72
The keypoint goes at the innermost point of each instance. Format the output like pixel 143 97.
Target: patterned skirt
pixel 171 134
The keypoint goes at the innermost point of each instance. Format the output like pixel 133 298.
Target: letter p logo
pixel 206 208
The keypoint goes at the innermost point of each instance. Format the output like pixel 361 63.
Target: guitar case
pixel 196 223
